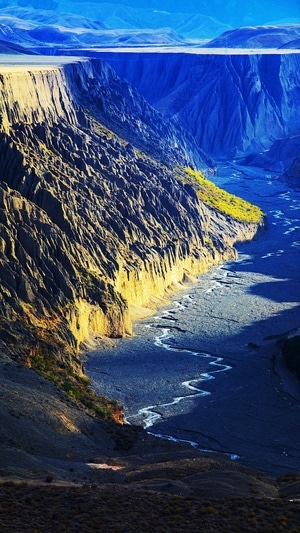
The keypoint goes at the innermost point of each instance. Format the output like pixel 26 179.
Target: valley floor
pixel 238 312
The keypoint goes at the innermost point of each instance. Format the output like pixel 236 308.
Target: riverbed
pixel 202 368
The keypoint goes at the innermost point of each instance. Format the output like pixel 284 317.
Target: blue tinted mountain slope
pixel 34 27
pixel 295 44
pixel 282 157
pixel 185 24
pixel 7 47
pixel 258 37
pixel 231 103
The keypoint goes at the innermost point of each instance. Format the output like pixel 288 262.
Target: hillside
pixel 231 102
pixel 74 25
pixel 283 35
pixel 283 157
pixel 95 216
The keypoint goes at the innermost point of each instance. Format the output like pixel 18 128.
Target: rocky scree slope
pixel 89 223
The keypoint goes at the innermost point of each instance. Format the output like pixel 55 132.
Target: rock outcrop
pixel 93 216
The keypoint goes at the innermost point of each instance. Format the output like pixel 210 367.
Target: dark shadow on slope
pixel 248 410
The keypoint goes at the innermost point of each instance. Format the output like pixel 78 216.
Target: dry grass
pixel 219 199
pixel 114 508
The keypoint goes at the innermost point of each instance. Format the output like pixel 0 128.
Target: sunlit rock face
pixel 231 103
pixel 93 219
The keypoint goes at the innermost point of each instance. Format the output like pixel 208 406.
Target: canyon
pixel 91 189
pixel 210 371
pixel 99 222
pixel 137 299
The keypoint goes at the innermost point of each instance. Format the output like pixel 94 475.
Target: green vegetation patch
pixel 43 360
pixel 56 360
pixel 225 202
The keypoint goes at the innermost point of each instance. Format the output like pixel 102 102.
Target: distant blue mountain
pixel 34 28
pixel 285 35
pixel 108 26
pixel 96 16
pixel 74 23
pixel 234 13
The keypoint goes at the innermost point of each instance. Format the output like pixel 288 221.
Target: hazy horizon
pixel 235 13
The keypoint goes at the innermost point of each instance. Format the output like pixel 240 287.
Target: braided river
pixel 205 369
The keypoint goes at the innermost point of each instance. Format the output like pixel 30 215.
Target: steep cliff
pixel 231 102
pixel 89 223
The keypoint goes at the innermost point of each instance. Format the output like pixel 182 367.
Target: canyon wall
pixel 283 157
pixel 233 103
pixel 91 222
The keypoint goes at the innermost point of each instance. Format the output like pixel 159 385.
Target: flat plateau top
pixel 25 63
pixel 196 51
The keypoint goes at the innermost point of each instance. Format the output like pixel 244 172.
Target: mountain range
pixel 167 13
pixel 195 107
pixel 103 24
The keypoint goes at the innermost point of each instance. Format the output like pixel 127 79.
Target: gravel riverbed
pixel 203 369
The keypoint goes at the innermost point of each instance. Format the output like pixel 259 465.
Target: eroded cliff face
pixel 89 224
pixel 232 103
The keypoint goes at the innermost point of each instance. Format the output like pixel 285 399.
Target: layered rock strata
pixel 91 224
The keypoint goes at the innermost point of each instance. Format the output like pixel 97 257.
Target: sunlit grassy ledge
pixel 228 204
